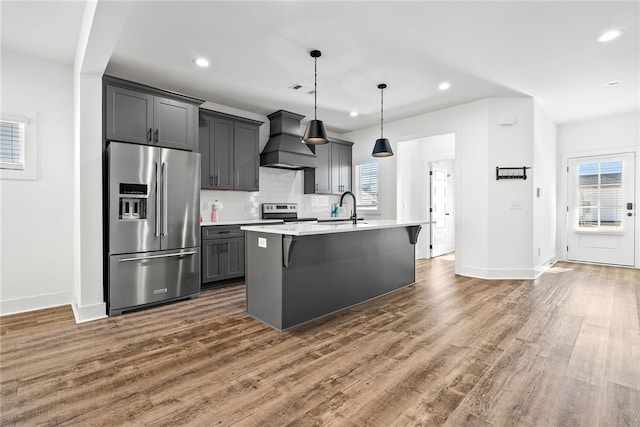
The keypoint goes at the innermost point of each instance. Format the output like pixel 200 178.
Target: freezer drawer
pixel 146 278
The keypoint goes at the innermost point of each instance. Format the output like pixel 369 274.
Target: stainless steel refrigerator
pixel 153 226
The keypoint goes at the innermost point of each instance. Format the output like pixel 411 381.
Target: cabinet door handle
pixel 156 136
pixel 216 180
pixel 210 179
pixel 149 134
pixel 316 187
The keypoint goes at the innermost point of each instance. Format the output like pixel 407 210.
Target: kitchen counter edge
pixel 308 229
pixel 240 222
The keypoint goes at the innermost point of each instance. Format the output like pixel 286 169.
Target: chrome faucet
pixel 354 215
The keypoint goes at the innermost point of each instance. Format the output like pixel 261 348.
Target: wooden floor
pixel 563 350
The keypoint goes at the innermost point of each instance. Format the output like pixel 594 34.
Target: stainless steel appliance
pixel 153 226
pixel 288 212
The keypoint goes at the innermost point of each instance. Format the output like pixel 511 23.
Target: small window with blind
pixel 600 204
pixel 366 186
pixel 12 144
pixel 18 145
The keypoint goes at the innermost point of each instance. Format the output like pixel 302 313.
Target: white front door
pixel 601 209
pixel 438 210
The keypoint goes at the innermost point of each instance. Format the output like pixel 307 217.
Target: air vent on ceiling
pixel 300 88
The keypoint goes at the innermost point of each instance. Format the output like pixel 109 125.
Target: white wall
pixel 545 178
pixel 36 216
pixel 607 135
pixel 469 124
pixel 492 240
pixel 510 244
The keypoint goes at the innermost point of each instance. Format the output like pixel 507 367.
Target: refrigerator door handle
pixel 165 201
pixel 158 200
pixel 157 256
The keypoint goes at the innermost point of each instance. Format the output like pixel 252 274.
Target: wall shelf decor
pixel 511 173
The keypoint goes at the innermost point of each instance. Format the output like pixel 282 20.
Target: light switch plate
pixel 516 204
pixel 262 242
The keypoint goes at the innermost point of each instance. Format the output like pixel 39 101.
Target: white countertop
pixel 241 222
pixel 306 229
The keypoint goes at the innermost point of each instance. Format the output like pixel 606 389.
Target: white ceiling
pixel 257 50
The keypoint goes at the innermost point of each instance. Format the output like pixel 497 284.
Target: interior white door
pixel 438 210
pixel 601 209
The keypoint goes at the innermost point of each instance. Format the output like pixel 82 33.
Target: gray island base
pixel 299 273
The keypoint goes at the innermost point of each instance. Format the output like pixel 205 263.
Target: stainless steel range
pixel 288 212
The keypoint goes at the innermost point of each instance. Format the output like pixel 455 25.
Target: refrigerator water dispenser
pixel 133 202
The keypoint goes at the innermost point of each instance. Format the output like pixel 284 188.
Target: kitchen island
pixel 296 273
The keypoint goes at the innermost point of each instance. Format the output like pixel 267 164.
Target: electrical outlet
pixel 516 204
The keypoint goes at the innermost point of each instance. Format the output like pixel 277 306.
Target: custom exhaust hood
pixel 285 149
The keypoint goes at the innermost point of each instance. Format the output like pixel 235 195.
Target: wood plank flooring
pixel 563 350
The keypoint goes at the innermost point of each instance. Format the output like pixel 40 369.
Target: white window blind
pixel 600 203
pixel 12 145
pixel 367 185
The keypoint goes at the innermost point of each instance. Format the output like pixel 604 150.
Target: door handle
pixel 142 258
pixel 149 134
pixel 165 201
pixel 158 199
pixel 629 206
pixel 629 213
pixel 156 136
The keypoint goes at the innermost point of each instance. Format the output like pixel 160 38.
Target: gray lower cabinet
pixel 229 152
pixel 332 174
pixel 222 253
pixel 141 115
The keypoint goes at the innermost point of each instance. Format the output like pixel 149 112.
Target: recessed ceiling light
pixel 353 114
pixel 444 86
pixel 610 35
pixel 201 62
pixel 613 82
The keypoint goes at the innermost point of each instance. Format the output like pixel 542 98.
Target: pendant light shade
pixel 315 133
pixel 382 147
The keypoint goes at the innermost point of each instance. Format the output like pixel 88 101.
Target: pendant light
pixel 382 147
pixel 315 133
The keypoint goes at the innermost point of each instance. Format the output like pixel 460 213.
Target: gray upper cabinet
pixel 246 157
pixel 340 167
pixel 229 152
pixel 143 115
pixel 173 122
pixel 332 174
pixel 129 115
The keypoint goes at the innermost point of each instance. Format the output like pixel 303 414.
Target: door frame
pixel 563 198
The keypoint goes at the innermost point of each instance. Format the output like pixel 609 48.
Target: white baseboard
pixel 87 313
pixel 38 302
pixel 544 266
pixel 497 273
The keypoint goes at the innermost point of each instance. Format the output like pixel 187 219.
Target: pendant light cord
pixel 315 88
pixel 381 112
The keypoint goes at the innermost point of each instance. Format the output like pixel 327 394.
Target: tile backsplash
pixel 276 186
